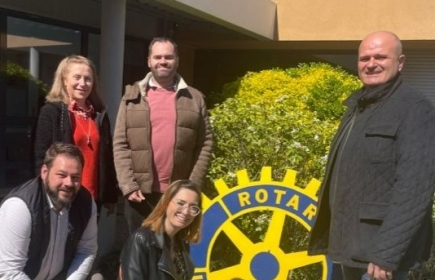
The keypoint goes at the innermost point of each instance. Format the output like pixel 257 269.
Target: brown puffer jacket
pixel 132 144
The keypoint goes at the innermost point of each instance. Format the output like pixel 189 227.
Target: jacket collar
pixel 163 242
pixel 143 84
pixel 367 96
pixel 139 89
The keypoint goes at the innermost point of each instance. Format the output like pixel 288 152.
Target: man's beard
pixel 54 196
pixel 163 74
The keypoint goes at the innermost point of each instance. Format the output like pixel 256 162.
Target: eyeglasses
pixel 193 209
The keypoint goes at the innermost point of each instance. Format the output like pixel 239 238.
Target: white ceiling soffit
pixel 256 18
pixel 15 41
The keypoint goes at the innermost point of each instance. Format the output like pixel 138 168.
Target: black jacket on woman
pixel 54 125
pixel 376 197
pixel 147 255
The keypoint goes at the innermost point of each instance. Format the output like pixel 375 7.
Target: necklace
pixel 88 134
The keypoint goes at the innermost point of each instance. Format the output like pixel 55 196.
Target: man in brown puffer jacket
pixel 162 134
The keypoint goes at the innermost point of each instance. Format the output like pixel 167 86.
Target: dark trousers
pixel 353 273
pixel 135 213
pixel 336 273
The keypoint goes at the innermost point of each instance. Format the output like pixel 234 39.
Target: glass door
pixel 30 56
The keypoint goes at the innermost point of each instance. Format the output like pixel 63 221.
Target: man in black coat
pixel 375 205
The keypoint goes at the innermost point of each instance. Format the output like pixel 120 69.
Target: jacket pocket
pixel 370 218
pixel 372 212
pixel 379 142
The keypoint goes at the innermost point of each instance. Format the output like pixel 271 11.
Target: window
pixel 33 51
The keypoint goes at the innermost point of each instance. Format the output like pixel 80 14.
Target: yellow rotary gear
pixel 261 260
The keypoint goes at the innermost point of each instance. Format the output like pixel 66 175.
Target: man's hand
pixel 378 273
pixel 135 196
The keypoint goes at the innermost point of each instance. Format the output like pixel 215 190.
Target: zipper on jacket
pixel 175 139
pixel 341 141
pixel 168 272
pixel 150 159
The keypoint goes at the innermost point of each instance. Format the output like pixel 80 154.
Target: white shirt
pixel 15 234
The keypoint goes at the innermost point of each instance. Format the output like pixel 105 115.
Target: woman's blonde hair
pixel 58 93
pixel 156 220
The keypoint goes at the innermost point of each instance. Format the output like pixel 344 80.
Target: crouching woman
pixel 159 249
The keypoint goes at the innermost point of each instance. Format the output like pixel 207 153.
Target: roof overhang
pixel 257 19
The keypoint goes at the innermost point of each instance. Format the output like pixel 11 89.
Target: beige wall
pixel 352 20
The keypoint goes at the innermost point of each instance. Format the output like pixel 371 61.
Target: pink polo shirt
pixel 163 125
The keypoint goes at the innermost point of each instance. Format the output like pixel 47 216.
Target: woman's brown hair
pixel 156 220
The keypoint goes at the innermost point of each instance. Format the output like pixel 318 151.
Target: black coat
pixel 146 255
pixel 54 125
pixel 381 192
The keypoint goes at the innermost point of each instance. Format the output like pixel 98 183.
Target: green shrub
pixel 284 118
pixel 17 74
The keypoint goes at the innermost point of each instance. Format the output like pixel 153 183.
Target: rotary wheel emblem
pixel 263 259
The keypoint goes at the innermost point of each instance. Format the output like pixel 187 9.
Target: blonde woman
pixel 74 113
pixel 159 249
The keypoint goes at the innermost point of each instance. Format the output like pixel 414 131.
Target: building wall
pixel 85 13
pixel 186 66
pixel 352 20
pixel 215 68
